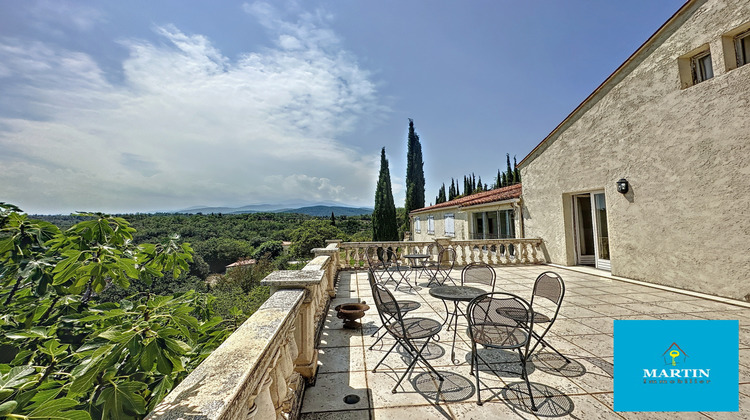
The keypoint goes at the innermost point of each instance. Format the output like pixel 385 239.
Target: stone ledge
pixel 290 279
pixel 219 386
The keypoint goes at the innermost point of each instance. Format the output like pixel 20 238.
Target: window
pixel 498 224
pixel 417 227
pixel 430 225
pixel 742 48
pixel 702 67
pixel 450 225
pixel 696 66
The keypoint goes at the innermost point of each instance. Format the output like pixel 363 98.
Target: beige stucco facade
pixel 685 151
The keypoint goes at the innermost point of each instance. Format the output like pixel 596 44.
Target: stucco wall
pixel 461 225
pixel 685 152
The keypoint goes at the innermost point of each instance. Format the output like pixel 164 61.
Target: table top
pixel 457 293
pixel 416 256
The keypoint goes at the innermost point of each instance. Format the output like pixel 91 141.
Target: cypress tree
pixel 509 171
pixel 480 187
pixel 499 180
pixel 333 219
pixel 516 171
pixel 414 172
pixel 441 195
pixel 384 224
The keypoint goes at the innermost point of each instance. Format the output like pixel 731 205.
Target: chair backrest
pixel 446 258
pixel 375 256
pixel 479 272
pixel 504 310
pixel 548 285
pixel 388 309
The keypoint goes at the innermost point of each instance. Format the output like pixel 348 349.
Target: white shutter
pixel 431 225
pixel 417 227
pixel 450 225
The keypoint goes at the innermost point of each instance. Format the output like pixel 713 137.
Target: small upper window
pixel 431 225
pixel 742 48
pixel 702 67
pixel 417 226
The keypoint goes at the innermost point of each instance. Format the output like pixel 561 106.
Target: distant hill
pixel 311 210
pixel 322 211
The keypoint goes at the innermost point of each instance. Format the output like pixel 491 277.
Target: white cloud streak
pixel 188 126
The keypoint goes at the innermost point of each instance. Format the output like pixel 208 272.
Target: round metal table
pixel 454 294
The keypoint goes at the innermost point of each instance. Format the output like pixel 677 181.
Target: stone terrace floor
pixel 583 331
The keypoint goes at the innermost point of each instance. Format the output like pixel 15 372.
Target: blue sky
pixel 162 105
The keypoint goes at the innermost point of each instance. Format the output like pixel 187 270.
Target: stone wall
pixel 260 371
pixel 684 150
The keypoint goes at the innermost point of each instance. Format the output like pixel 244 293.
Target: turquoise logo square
pixel 676 365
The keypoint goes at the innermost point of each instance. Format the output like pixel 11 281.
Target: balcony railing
pixel 260 371
pixel 490 251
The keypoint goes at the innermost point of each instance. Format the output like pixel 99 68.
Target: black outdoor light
pixel 622 186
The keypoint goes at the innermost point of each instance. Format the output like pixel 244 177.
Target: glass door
pixel 584 230
pixel 602 234
pixel 590 228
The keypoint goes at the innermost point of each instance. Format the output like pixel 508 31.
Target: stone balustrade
pixel 260 371
pixel 490 251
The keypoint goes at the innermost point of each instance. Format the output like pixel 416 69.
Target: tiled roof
pixel 499 194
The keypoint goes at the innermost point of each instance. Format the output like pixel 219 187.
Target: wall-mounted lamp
pixel 622 186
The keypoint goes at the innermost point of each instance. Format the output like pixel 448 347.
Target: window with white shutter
pixel 450 225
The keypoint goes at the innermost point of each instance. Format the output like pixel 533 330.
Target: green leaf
pixel 163 363
pixel 176 346
pixel 85 380
pixel 121 398
pixel 17 377
pixel 149 356
pixel 162 388
pixel 59 409
pixel 117 336
pixel 7 407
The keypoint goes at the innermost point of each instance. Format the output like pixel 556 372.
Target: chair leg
pixel 386 355
pixel 544 343
pixel 528 384
pixel 475 370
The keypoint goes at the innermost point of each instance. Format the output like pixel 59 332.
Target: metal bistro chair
pixel 442 268
pixel 406 331
pixel 396 271
pixel 479 272
pixel 405 306
pixel 500 321
pixel 376 261
pixel 550 286
pixel 424 264
pixel 476 272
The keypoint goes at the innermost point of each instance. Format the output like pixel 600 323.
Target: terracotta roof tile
pixel 499 194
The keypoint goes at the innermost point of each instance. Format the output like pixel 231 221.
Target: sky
pixel 144 106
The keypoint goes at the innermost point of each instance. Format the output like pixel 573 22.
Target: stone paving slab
pixel 583 332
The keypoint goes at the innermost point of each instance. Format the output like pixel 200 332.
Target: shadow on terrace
pixel 294 359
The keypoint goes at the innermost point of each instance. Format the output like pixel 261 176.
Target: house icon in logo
pixel 674 355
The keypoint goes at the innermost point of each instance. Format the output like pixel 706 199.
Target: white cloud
pixel 188 126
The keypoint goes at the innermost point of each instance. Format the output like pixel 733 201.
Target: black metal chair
pixel 479 272
pixel 441 270
pixel 424 264
pixel 376 261
pixel 405 306
pixel 406 331
pixel 500 321
pixel 550 286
